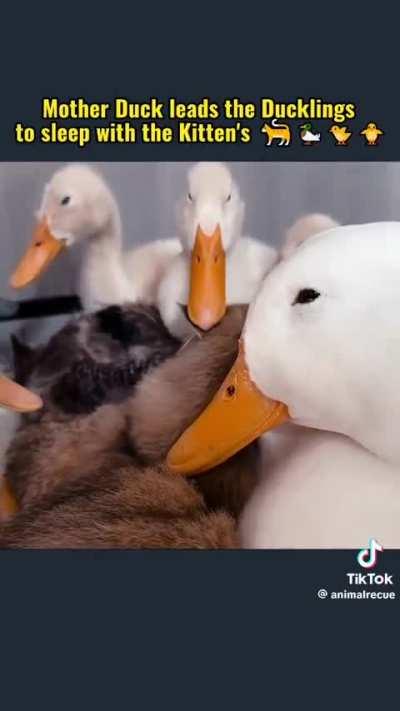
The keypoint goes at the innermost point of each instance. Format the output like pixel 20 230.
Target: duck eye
pixel 228 199
pixel 190 197
pixel 305 296
pixel 65 200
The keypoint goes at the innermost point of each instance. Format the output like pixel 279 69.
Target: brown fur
pixel 78 488
pixel 53 452
pixel 122 506
pixel 82 482
pixel 168 399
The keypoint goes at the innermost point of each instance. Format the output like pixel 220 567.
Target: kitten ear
pixel 24 358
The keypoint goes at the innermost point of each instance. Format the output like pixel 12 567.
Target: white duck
pixel 218 265
pixel 306 226
pixel 78 206
pixel 322 337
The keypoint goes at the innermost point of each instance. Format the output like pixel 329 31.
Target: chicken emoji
pixel 371 133
pixel 341 134
pixel 308 135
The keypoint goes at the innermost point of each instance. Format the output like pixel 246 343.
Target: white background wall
pixel 275 194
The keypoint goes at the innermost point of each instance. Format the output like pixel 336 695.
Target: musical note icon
pixel 367 556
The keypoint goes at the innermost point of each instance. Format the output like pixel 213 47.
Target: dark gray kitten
pixel 94 359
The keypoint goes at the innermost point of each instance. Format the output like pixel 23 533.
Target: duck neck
pixel 108 239
pixel 103 279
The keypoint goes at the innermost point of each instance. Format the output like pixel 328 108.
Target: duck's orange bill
pixel 8 502
pixel 15 397
pixel 43 249
pixel 207 300
pixel 236 416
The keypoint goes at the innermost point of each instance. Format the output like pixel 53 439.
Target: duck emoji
pixel 308 135
pixel 341 134
pixel 371 133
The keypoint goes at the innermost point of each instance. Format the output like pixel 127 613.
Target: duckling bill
pixel 207 299
pixel 42 251
pixel 14 397
pixel 237 415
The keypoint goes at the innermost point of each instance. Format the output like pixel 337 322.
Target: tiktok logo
pixel 367 556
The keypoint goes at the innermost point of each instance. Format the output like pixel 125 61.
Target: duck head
pixel 210 220
pixel 76 204
pixel 321 346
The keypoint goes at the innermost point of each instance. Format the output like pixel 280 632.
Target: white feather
pixel 321 490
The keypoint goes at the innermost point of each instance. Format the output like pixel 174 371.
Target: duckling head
pixel 76 205
pixel 305 227
pixel 320 346
pixel 210 220
pixel 212 200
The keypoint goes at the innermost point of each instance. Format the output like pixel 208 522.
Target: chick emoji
pixel 308 135
pixel 341 134
pixel 371 133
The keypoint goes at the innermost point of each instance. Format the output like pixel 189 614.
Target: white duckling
pixel 78 206
pixel 322 336
pixel 304 227
pixel 218 265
